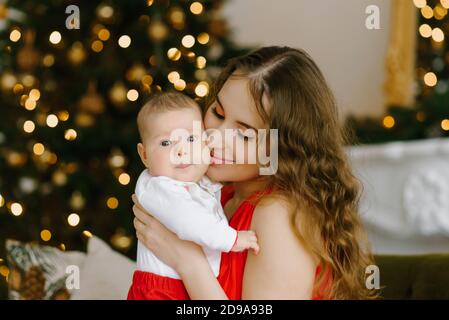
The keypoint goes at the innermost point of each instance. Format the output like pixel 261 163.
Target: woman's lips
pixel 217 160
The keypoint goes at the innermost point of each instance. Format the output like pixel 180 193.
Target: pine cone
pixel 61 294
pixel 33 286
pixel 15 279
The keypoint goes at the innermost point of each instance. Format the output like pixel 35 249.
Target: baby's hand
pixel 246 240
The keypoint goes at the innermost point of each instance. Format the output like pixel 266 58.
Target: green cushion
pixel 414 276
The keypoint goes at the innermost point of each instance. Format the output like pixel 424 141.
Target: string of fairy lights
pixel 25 87
pixel 437 37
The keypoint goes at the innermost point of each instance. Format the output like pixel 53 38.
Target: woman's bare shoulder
pixel 282 256
pixel 272 206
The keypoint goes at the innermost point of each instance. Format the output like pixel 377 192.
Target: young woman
pixel 305 214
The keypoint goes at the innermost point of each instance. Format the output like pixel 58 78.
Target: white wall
pixel 333 32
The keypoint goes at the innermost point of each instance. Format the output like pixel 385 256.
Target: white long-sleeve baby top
pixel 191 210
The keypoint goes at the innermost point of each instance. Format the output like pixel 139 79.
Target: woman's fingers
pixel 138 225
pixel 142 215
pixel 136 202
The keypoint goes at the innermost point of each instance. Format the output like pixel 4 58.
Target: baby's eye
pixel 191 138
pixel 165 143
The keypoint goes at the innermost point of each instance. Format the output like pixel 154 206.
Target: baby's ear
pixel 142 153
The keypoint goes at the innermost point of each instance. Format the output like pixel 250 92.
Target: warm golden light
pixel 173 76
pixel 196 7
pixel 430 79
pixel 173 54
pixel 52 120
pixel 2 201
pixel 30 104
pixel 124 41
pixel 104 34
pixel 38 149
pixel 427 12
pixel 180 84
pixel 200 62
pixel 45 235
pixel 87 233
pixel 97 46
pixel 445 124
pixel 202 89
pixel 203 38
pixel 63 115
pixel 34 94
pixel 445 3
pixel 124 179
pixel 112 203
pixel 389 122
pixel 15 35
pixel 132 95
pixel 55 37
pixel 437 35
pixel 70 134
pixel 188 41
pixel 147 79
pixel 48 60
pixel 16 209
pixel 18 88
pixel 420 3
pixel 425 31
pixel 28 126
pixel 73 219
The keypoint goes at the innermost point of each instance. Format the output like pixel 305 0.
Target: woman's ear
pixel 142 154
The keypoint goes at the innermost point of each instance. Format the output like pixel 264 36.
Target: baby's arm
pixel 189 220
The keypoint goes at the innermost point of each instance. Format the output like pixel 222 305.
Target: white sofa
pixel 405 202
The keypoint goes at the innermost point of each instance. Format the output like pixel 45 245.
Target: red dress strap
pixel 233 263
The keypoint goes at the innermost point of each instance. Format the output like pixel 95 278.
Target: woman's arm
pixel 283 269
pixel 186 257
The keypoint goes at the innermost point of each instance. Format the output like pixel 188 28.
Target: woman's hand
pixel 162 242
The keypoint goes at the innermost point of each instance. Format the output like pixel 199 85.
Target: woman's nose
pixel 215 138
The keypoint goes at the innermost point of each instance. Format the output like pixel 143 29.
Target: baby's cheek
pixel 160 162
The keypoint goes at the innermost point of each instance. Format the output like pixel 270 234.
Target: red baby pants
pixel 150 286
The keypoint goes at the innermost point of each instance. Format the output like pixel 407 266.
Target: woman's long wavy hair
pixel 313 173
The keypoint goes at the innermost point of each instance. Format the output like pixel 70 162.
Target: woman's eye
pixel 215 112
pixel 191 138
pixel 165 143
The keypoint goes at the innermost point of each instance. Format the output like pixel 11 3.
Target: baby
pixel 175 190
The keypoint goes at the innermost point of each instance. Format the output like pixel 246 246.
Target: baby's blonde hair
pixel 161 102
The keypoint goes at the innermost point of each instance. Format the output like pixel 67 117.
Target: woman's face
pixel 233 112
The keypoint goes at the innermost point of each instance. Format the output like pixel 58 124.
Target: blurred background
pixel 73 75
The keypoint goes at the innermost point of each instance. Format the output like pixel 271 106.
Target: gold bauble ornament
pixel 59 178
pixel 157 30
pixel 84 119
pixel 92 102
pixel 135 73
pixel 77 200
pixel 28 57
pixel 76 53
pixel 3 11
pixel 117 94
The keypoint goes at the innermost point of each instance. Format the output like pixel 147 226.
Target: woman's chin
pixel 231 172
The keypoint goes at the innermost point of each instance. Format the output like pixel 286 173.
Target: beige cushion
pixel 105 274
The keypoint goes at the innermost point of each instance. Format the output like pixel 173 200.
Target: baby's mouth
pixel 183 166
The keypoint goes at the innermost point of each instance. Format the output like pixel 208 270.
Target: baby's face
pixel 180 157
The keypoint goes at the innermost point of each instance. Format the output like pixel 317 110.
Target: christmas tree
pixel 429 117
pixel 73 77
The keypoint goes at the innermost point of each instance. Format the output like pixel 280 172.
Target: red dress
pixel 233 263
